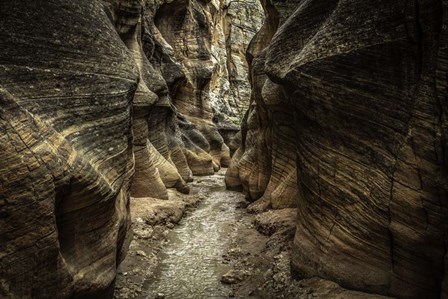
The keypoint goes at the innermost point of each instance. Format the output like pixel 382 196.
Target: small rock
pixel 170 225
pixel 268 274
pixel 232 277
pixel 141 253
pixel 160 296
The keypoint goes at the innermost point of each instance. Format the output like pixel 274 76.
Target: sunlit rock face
pixel 147 181
pixel 187 53
pixel 362 88
pixel 67 83
pixel 234 23
pixel 193 85
pixel 199 49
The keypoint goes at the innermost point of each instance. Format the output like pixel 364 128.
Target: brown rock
pixel 65 149
pixel 232 277
pixel 355 93
pixel 276 220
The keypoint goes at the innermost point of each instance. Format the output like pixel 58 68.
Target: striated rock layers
pixel 101 101
pixel 264 166
pixel 356 91
pixel 189 55
pixel 67 82
pixel 199 49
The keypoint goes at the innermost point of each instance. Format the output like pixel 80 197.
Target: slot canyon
pixel 171 149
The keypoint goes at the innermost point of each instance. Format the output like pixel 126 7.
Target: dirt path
pixel 178 245
pixel 191 263
pixel 205 245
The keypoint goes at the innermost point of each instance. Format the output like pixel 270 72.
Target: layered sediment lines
pixel 65 149
pixel 101 102
pixel 264 166
pixel 356 92
pixel 183 50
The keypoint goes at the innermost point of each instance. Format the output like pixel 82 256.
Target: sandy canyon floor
pixel 206 245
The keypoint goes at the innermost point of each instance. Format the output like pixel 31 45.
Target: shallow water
pixel 191 263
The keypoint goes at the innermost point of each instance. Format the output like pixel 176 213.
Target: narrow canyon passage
pixel 125 123
pixel 205 245
pixel 185 246
pixel 191 264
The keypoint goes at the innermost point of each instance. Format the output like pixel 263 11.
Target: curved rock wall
pixel 371 129
pixel 187 53
pixel 264 167
pixel 202 47
pixel 355 94
pixel 66 149
pixel 101 101
pixel 234 25
pixel 184 53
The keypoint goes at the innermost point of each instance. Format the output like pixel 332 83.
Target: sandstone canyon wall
pixel 264 166
pixel 103 102
pixel 67 82
pixel 348 122
pixel 189 54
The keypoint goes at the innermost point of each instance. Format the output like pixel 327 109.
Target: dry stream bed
pixel 206 245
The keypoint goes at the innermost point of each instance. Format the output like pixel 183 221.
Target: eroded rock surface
pixel 202 47
pixel 104 100
pixel 355 94
pixel 66 87
pixel 264 165
pixel 100 101
pixel 190 55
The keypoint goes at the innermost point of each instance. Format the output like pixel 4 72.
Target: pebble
pixel 232 277
pixel 141 253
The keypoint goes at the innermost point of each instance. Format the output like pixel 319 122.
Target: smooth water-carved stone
pixel 361 87
pixel 67 82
